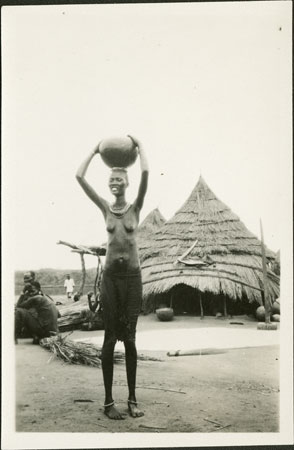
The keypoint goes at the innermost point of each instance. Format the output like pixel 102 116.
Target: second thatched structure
pixel 204 257
pixel 152 223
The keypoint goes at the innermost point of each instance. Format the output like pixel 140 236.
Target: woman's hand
pixel 136 142
pixel 96 149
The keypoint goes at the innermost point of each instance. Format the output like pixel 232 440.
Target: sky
pixel 206 87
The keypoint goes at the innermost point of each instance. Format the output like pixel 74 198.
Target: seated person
pixel 40 323
pixel 29 277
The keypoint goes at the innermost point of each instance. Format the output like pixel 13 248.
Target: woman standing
pixel 121 287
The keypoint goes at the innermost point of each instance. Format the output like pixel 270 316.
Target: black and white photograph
pixel 147 225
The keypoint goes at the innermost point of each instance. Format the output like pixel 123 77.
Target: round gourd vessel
pixel 118 152
pixel 276 309
pixel 260 313
pixel 165 314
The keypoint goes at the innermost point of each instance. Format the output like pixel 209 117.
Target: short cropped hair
pixel 29 276
pixel 122 170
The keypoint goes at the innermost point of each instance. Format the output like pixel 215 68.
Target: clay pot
pixel 275 317
pixel 276 309
pixel 165 314
pixel 118 152
pixel 260 313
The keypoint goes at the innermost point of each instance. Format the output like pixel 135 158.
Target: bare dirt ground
pixel 233 391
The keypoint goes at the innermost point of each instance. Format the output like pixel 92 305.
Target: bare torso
pixel 122 253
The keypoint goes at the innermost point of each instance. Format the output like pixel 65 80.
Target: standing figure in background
pixel 69 285
pixel 121 286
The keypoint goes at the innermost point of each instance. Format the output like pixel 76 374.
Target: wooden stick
pixel 225 307
pixel 84 274
pixel 221 428
pixel 212 421
pixel 186 253
pixel 267 304
pixel 205 275
pixel 161 389
pixel 201 306
pixel 150 426
pixel 79 248
pixel 66 243
pixel 196 352
pixel 97 280
pixel 171 300
pixel 156 389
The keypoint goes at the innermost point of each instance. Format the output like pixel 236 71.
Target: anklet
pixel 132 402
pixel 109 404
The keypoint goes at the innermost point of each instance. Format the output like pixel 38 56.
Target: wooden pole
pixel 225 307
pixel 196 352
pixel 201 306
pixel 186 253
pixel 98 277
pixel 84 274
pixel 267 305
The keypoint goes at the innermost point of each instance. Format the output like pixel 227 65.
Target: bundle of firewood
pixel 71 351
pixel 84 353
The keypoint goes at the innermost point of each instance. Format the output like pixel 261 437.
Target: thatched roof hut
pixel 152 222
pixel 224 258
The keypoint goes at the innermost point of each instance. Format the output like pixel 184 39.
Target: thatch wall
pixel 228 255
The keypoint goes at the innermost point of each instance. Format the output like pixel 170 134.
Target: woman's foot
pixel 111 412
pixel 134 410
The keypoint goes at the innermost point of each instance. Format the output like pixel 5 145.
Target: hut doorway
pixel 190 301
pixel 185 300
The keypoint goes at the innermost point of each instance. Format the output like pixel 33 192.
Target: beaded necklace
pixel 120 212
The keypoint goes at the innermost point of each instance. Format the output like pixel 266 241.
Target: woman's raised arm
pixel 80 176
pixel 144 174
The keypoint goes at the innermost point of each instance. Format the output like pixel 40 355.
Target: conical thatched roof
pixel 152 222
pixel 226 258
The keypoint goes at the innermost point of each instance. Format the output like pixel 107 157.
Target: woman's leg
pixel 108 297
pixel 107 367
pixel 133 308
pixel 107 370
pixel 131 367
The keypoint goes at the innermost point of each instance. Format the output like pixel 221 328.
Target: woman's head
pixel 29 277
pixel 33 288
pixel 118 181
